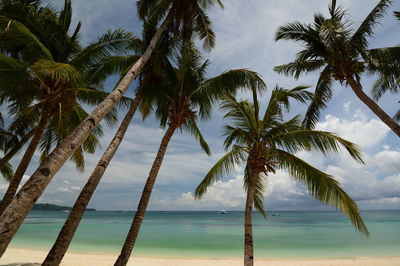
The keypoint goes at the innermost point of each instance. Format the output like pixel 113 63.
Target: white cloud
pixel 63 189
pixel 346 106
pixel 3 187
pixel 229 194
pixel 364 131
pixel 388 161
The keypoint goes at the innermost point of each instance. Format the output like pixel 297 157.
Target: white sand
pixel 14 256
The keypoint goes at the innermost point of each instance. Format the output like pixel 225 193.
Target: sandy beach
pixel 15 257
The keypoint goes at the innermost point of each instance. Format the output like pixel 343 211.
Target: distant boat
pixel 65 210
pixel 223 212
pixel 275 214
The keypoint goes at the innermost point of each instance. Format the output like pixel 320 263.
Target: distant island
pixel 52 207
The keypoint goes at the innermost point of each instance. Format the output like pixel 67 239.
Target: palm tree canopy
pixel 188 16
pixel 186 95
pixel 332 46
pixel 44 68
pixel 155 68
pixel 268 143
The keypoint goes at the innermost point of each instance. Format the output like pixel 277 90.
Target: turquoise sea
pixel 214 235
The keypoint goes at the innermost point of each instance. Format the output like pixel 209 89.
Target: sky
pixel 245 39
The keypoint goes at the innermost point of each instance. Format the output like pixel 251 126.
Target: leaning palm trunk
pixel 17 148
pixel 144 200
pixel 390 122
pixel 26 159
pixel 14 215
pixel 248 220
pixel 66 234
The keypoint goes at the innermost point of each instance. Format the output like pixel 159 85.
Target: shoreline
pixel 18 256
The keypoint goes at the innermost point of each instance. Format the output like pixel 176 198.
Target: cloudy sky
pixel 245 31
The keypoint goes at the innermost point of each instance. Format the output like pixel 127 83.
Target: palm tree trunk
pixel 248 220
pixel 384 117
pixel 17 147
pixel 26 159
pixel 14 215
pixel 67 232
pixel 144 200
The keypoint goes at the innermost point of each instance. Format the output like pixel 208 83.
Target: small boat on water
pixel 65 210
pixel 223 212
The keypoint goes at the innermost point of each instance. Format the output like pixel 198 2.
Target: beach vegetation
pixel 266 143
pixel 341 53
pixel 183 98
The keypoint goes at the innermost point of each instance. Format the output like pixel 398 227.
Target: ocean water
pixel 214 235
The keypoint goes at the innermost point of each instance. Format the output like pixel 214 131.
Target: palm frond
pixel 109 44
pixel 298 67
pixel 92 142
pixel 321 141
pixel 94 96
pixel 323 93
pixel 111 65
pixel 192 128
pixel 223 167
pixel 65 15
pixel 397 116
pixel 234 135
pixel 366 28
pixel 58 71
pixel 242 113
pixel 18 35
pixel 79 159
pixel 385 62
pixel 259 190
pixel 322 186
pixel 6 171
pixel 280 98
pixel 383 84
pixel 202 25
pixel 397 14
pixel 294 31
pixel 229 82
pixel 146 7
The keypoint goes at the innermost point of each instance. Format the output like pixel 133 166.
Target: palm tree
pixel 186 97
pixel 185 14
pixel 342 52
pixel 48 85
pixel 268 143
pixel 151 74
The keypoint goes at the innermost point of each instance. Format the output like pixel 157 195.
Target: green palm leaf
pixel 298 67
pixel 366 28
pixel 192 128
pixel 322 141
pixel 109 44
pixel 20 35
pixel 268 144
pixel 258 192
pixel 221 168
pixel 321 186
pixel 202 25
pixel 323 93
pixel 7 172
pixel 58 71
